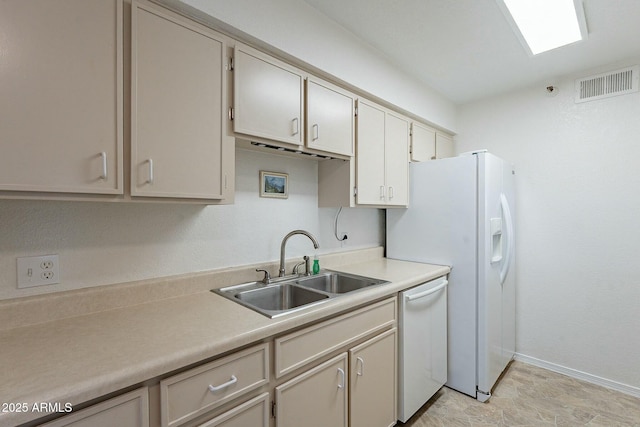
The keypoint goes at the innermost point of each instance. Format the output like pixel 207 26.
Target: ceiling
pixel 467 50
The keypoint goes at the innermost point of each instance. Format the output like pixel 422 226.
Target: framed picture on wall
pixel 274 184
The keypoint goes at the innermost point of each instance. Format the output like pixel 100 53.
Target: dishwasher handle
pixel 426 293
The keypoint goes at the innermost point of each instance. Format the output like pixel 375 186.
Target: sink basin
pixel 275 299
pixel 283 296
pixel 338 283
pixel 289 294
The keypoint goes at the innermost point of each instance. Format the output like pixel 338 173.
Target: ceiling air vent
pixel 606 85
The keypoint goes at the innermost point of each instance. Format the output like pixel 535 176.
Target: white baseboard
pixel 573 373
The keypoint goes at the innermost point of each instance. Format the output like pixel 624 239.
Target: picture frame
pixel 274 185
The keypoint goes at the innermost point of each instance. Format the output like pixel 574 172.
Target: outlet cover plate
pixel 38 271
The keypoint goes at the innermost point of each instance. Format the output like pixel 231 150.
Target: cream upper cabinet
pixel 397 159
pixel 373 382
pixel 370 154
pixel 178 144
pixel 330 118
pixel 444 146
pixel 61 96
pixel 317 398
pixel 423 143
pixel 429 144
pixel 382 157
pixel 268 97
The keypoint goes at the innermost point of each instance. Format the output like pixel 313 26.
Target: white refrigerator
pixel 460 214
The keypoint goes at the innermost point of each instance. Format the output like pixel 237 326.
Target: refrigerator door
pixel 496 337
pixel 509 274
pixel 440 227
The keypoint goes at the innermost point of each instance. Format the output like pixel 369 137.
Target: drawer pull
pixel 104 175
pixel 232 381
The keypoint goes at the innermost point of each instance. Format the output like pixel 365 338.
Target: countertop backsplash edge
pixel 32 310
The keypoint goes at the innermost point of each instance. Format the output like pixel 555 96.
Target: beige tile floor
pixel 530 396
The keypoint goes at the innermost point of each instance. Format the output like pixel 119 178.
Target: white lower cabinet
pixel 357 387
pixel 335 373
pixel 372 382
pixel 317 398
pixel 127 410
pixel 332 394
pixel 198 391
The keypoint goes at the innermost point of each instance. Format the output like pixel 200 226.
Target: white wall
pixel 298 29
pixel 105 243
pixel 578 226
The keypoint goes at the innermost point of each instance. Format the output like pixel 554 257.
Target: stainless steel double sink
pixel 289 294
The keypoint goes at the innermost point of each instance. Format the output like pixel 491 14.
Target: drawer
pixel 295 350
pixel 127 410
pixel 194 392
pixel 254 413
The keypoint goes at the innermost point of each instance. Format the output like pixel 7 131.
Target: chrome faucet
pixel 281 271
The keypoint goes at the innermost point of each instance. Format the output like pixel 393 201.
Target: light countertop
pixel 81 358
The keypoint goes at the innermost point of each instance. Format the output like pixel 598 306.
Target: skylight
pixel 543 25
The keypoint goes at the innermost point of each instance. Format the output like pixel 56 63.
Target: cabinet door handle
pixel 231 382
pixel 296 126
pixel 382 192
pixel 104 175
pixel 316 132
pixel 151 177
pixel 360 372
pixel 390 193
pixel 341 372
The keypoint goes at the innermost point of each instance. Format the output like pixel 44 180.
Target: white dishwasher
pixel 422 345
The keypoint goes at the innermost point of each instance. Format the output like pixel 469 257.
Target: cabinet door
pixel 444 146
pixel 423 143
pixel 128 410
pixel 177 93
pixel 268 97
pixel 373 384
pixel 329 118
pixel 317 398
pixel 397 160
pixel 61 96
pixel 370 154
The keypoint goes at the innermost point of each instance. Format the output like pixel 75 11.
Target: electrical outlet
pixel 38 271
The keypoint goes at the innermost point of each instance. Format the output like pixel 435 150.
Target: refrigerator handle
pixel 506 211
